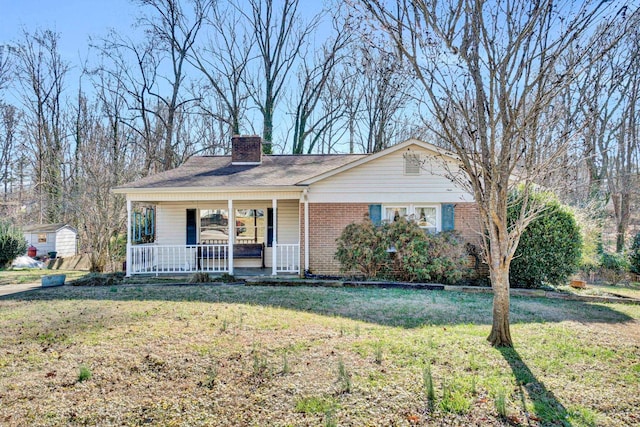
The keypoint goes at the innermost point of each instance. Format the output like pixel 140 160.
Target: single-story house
pixel 284 212
pixel 60 238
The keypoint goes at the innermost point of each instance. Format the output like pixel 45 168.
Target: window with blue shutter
pixel 448 217
pixel 375 214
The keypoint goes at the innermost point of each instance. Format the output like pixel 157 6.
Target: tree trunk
pixel 500 335
pixel 623 213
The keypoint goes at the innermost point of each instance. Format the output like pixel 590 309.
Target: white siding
pixel 288 227
pixel 383 180
pixel 65 242
pixel 171 222
pixel 288 221
pixel 42 248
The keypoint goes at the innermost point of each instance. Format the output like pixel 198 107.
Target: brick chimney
pixel 246 150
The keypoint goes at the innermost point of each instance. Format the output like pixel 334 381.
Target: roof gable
pixel 372 157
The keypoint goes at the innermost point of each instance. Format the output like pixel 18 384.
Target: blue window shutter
pixel 448 217
pixel 375 214
pixel 269 227
pixel 192 230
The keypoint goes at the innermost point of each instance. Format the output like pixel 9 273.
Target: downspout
pixel 231 224
pixel 274 244
pixel 128 258
pixel 305 195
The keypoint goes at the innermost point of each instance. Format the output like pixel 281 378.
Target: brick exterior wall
pixel 327 220
pixel 467 222
pixel 246 149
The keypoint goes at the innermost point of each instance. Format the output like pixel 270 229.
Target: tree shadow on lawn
pixel 546 407
pixel 388 307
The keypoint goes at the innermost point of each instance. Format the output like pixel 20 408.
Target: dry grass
pixel 277 356
pixel 13 277
pixel 628 290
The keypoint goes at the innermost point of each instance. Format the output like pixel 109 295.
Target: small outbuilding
pixel 46 238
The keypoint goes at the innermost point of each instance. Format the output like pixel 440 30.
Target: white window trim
pixel 438 214
pixel 411 211
pixel 385 207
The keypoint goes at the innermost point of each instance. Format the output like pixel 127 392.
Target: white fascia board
pixel 135 190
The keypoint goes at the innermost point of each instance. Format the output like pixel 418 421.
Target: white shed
pixel 59 238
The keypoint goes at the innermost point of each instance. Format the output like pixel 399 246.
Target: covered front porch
pixel 211 235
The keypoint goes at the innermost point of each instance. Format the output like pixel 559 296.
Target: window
pixel 412 163
pixel 250 225
pixel 214 226
pixel 392 213
pixel 427 218
pixel 42 238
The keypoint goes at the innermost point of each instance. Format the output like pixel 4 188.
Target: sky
pixel 74 20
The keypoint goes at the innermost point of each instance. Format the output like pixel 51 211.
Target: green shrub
pixel 550 247
pixel 614 262
pixel 613 267
pixel 418 256
pixel 361 248
pixel 634 255
pixel 12 243
pixel 424 256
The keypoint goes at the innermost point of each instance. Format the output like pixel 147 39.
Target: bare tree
pixel 41 72
pixel 128 70
pixel 384 90
pixel 279 37
pixel 624 169
pixel 489 71
pixel 9 120
pixel 5 67
pixel 315 78
pixel 173 31
pixel 224 61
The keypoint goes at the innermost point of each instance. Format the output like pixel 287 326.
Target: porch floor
pixel 237 272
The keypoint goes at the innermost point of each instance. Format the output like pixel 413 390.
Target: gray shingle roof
pixel 217 171
pixel 44 228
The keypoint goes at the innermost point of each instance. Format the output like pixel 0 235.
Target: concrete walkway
pixel 16 289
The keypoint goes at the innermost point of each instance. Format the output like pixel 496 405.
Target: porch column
pixel 306 232
pixel 231 223
pixel 128 256
pixel 274 245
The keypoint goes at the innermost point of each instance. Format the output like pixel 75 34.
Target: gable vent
pixel 412 163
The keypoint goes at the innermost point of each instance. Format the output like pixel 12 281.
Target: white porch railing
pixel 157 259
pixel 163 259
pixel 288 258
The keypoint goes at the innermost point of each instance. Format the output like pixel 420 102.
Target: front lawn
pixel 32 275
pixel 297 356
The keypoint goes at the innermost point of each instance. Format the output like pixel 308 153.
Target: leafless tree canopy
pixel 521 91
pixel 491 72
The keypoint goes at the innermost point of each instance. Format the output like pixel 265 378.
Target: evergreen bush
pixel 634 255
pixel 12 243
pixel 361 248
pixel 550 248
pixel 416 255
pixel 422 257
